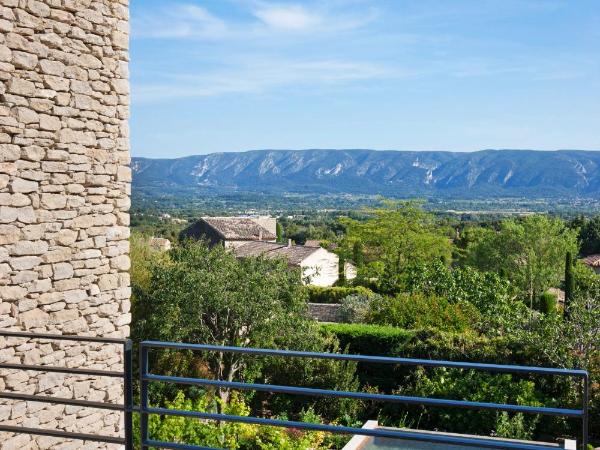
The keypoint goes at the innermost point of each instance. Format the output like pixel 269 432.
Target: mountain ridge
pixel 397 173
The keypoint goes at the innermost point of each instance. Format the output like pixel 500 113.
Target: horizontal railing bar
pixel 406 435
pixel 561 412
pixel 176 446
pixel 68 370
pixel 61 401
pixel 369 359
pixel 62 337
pixel 63 434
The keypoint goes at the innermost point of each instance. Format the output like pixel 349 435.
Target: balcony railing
pixel 146 377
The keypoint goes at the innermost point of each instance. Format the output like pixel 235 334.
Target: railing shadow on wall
pixel 146 377
pixel 126 375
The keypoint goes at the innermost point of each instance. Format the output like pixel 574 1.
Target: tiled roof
pixel 294 254
pixel 312 243
pixel 239 228
pixel 592 260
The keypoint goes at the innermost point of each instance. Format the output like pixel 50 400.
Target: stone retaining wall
pixel 325 312
pixel 64 201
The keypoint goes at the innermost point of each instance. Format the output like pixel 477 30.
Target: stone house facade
pixel 64 202
pixel 232 232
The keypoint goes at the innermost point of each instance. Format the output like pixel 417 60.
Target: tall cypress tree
pixel 342 271
pixel 357 254
pixel 569 282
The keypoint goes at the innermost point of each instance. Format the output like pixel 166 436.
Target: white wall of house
pixel 350 271
pixel 321 268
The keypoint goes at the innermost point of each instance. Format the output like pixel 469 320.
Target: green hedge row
pixel 428 343
pixel 319 294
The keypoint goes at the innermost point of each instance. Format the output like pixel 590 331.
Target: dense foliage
pixel 427 287
pixel 318 294
pixel 530 253
pixel 198 294
pixel 589 235
pixel 398 234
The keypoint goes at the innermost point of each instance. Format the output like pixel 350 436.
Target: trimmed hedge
pixel 319 294
pixel 428 343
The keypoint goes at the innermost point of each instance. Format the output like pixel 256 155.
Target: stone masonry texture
pixel 64 202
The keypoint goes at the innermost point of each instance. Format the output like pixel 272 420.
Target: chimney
pixel 260 235
pixel 289 243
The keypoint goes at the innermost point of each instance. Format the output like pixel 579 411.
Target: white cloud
pixel 287 17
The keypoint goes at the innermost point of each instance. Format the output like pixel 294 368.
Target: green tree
pixel 589 236
pixel 202 295
pixel 490 293
pixel 396 235
pixel 529 252
pixel 279 232
pixel 207 296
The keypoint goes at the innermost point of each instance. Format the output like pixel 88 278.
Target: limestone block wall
pixel 64 201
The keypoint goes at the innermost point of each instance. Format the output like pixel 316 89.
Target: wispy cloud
pixel 263 19
pixel 288 17
pixel 259 77
pixel 179 21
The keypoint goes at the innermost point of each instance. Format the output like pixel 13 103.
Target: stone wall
pixel 64 201
pixel 325 312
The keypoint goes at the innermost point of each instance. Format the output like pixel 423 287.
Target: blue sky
pixel 230 75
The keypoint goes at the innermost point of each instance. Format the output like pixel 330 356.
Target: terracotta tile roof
pixel 239 228
pixel 294 254
pixel 592 260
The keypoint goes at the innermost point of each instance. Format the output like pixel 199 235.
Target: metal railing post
pixel 128 387
pixel 586 412
pixel 144 430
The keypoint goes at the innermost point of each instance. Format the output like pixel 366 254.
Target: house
pixel 593 262
pixel 319 266
pixel 232 231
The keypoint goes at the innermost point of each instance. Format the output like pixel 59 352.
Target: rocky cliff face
pixel 404 173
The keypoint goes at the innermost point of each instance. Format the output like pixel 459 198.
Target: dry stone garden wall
pixel 64 201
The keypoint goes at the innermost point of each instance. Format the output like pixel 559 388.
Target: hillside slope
pixel 487 173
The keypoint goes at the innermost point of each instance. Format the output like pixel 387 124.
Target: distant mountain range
pixel 487 173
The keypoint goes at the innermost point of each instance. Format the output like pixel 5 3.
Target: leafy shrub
pixel 421 311
pixel 493 296
pixel 365 339
pixel 231 435
pixel 473 386
pixel 445 383
pixel 336 294
pixel 355 308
